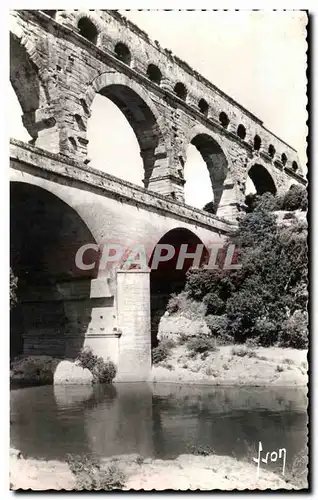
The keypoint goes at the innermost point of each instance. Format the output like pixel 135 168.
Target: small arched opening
pixel 169 276
pixel 180 90
pixel 203 107
pixel 154 74
pixel 123 53
pixel 295 166
pixel 271 150
pixel 257 143
pixel 88 29
pixel 284 159
pixel 241 131
pixel 224 119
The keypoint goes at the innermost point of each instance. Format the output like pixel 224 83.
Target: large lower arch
pixel 141 114
pixel 167 279
pixel 54 305
pixel 262 179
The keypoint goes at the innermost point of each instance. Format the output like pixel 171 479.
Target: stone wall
pixel 68 70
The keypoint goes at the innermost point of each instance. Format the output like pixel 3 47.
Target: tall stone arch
pixel 219 165
pixel 261 178
pixel 142 115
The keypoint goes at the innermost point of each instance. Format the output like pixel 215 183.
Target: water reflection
pixel 159 421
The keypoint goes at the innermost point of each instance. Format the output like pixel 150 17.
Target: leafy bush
pixel 182 303
pixel 162 351
pixel 203 450
pixel 210 207
pixel 87 358
pixel 294 332
pixel 265 202
pixel 218 326
pixel 242 352
pixel 215 305
pixel 295 199
pixel 33 369
pixel 103 371
pixel 90 475
pixel 279 368
pixel 201 344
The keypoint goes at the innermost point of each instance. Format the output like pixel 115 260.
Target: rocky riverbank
pixel 235 366
pixel 185 472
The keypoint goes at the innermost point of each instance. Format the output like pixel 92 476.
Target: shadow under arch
pixel 54 305
pixel 140 113
pixel 167 279
pixel 262 179
pixel 215 160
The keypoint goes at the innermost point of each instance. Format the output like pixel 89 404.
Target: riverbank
pixel 234 366
pixel 185 472
pixel 227 365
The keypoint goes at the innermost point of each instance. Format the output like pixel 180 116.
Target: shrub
pixel 295 199
pixel 33 369
pixel 218 326
pixel 279 368
pixel 294 332
pixel 289 215
pixel 103 371
pixel 90 475
pixel 203 450
pixel 265 202
pixel 215 305
pixel 87 358
pixel 242 352
pixel 265 332
pixel 162 351
pixel 201 344
pixel 210 207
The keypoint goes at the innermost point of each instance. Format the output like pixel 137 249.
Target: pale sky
pixel 258 58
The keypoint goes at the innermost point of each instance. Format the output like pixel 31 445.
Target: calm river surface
pixel 158 420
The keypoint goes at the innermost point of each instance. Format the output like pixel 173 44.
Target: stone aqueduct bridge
pixel 59 61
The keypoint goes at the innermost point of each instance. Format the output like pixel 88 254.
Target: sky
pixel 258 58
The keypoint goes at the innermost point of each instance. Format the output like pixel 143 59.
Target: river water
pixel 158 420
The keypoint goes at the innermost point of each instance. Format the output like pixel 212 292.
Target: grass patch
pixel 201 345
pixel 242 352
pixel 90 475
pixel 288 361
pixel 202 450
pixel 279 368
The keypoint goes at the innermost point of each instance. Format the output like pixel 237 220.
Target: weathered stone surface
pixel 56 71
pixel 68 372
pixel 65 68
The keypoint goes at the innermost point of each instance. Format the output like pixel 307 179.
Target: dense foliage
pixel 294 199
pixel 103 371
pixel 210 207
pixel 265 300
